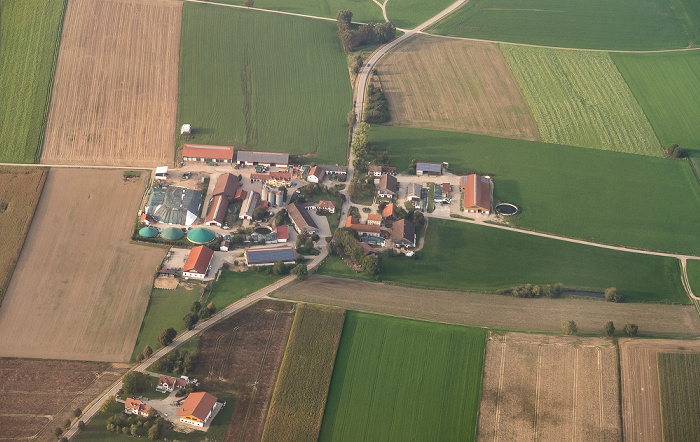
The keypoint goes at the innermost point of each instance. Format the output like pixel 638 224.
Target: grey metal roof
pixel 429 167
pixel 262 157
pixel 263 256
pixel 172 204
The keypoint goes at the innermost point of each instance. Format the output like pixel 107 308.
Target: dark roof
pixel 262 157
pixel 171 204
pixel 429 167
pixel 388 182
pixel 300 216
pixel 265 256
pixel 337 169
pixel 226 185
pixel 403 230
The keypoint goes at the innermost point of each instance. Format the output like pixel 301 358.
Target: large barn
pixel 267 257
pixel 210 154
pixel 270 159
pixel 477 193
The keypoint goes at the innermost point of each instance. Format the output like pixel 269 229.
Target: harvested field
pixel 115 90
pixel 679 385
pixel 455 85
pixel 244 351
pixel 494 311
pixel 80 290
pixel 38 395
pixel 20 190
pixel 549 388
pixel 641 402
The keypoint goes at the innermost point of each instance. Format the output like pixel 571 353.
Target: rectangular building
pixel 210 154
pixel 267 257
pixel 428 169
pixel 477 193
pixel 269 159
pixel 301 219
pixel 198 263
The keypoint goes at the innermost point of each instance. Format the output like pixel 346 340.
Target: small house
pixel 403 234
pixel 315 174
pixel 388 186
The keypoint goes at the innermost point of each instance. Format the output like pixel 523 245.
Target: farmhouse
pixel 428 169
pixel 267 257
pixel 363 229
pixel 198 263
pixel 197 409
pixel 378 171
pixel 210 154
pixel 315 175
pixel 249 205
pixel 226 186
pixel 328 206
pixel 268 159
pixel 168 384
pixel 282 233
pixel 413 192
pixel 389 212
pixel 388 186
pixel 134 406
pixel 301 219
pixel 334 170
pixel 280 179
pixel 259 177
pixel 374 219
pixel 477 193
pixel 403 234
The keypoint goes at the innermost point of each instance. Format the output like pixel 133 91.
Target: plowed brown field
pixel 37 396
pixel 114 98
pixel 455 85
pixel 641 402
pixel 80 289
pixel 549 388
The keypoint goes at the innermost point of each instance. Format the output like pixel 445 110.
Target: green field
pixel 335 266
pixel 666 86
pixel 607 197
pixel 232 286
pixel 693 270
pixel 362 10
pixel 407 14
pixel 593 24
pixel 263 81
pixel 404 380
pixel 297 404
pixel 679 385
pixel 461 256
pixel 30 32
pixel 580 99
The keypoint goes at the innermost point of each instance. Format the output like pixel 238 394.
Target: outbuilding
pixel 197 409
pixel 208 153
pixel 428 169
pixel 267 257
pixel 198 263
pixel 477 193
pixel 269 159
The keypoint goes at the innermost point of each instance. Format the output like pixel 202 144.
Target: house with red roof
pixel 315 175
pixel 374 219
pixel 362 229
pixel 135 406
pixel 197 409
pixel 198 263
pixel 282 233
pixel 478 195
pixel 389 212
pixel 168 384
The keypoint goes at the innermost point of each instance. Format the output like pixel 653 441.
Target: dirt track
pixel 641 402
pixel 80 290
pixel 462 86
pixel 114 98
pixel 500 312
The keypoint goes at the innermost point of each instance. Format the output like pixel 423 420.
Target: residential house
pixel 378 171
pixel 374 219
pixel 135 406
pixel 478 195
pixel 197 409
pixel 428 169
pixel 388 186
pixel 315 175
pixel 403 234
pixel 267 257
pixel 280 179
pixel 327 206
pixel 362 229
pixel 389 212
pixel 167 384
pixel 210 154
pixel 301 219
pixel 198 263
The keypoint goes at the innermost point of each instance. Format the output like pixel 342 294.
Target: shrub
pixel 611 295
pixel 631 330
pixel 569 327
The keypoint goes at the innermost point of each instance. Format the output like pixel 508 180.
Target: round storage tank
pixel 172 234
pixel 265 192
pixel 279 200
pixel 200 236
pixel 271 197
pixel 148 232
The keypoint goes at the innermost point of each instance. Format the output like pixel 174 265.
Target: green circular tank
pixel 200 235
pixel 148 232
pixel 172 234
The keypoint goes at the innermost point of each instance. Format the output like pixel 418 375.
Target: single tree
pixel 107 403
pixel 609 328
pixel 569 327
pixel 190 320
pixel 140 357
pixel 249 3
pixel 81 425
pixel 301 271
pixel 611 295
pixel 204 313
pixel 631 330
pixel 211 307
pixel 196 306
pixel 154 432
pixel 66 423
pixel 166 336
pixel 370 265
pixel 77 412
pixel 58 431
pixel 147 351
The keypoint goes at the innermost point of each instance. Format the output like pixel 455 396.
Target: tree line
pixel 369 33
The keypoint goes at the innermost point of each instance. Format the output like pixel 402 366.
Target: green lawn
pixel 693 269
pixel 404 380
pixel 30 32
pixel 665 85
pixel 463 256
pixel 407 14
pixel 580 99
pixel 263 81
pixel 679 385
pixel 362 10
pixel 233 286
pixel 335 266
pixel 166 308
pixel 591 194
pixel 593 24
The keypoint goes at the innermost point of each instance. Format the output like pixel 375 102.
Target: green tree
pixel 301 271
pixel 569 327
pixel 147 351
pixel 196 306
pixel 81 425
pixel 58 431
pixel 370 265
pixel 108 403
pixel 279 268
pixel 135 382
pixel 259 213
pixel 140 357
pixel 77 412
pixel 189 363
pixel 190 320
pixel 631 330
pixel 249 3
pixel 611 295
pixel 204 313
pixel 211 307
pixel 66 423
pixel 609 328
pixel 154 432
pixel 166 336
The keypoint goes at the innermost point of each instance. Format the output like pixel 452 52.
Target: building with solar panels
pixel 267 257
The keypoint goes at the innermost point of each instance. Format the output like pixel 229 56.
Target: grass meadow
pixel 580 99
pixel 499 259
pixel 30 33
pixel 297 404
pixel 404 380
pixel 679 385
pixel 362 10
pixel 232 286
pixel 264 82
pixel 693 270
pixel 335 266
pixel 664 84
pixel 594 24
pixel 596 195
pixel 407 14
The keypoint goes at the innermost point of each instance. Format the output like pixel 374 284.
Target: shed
pixel 186 129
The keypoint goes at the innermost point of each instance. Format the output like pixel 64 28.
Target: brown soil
pixel 494 311
pixel 114 97
pixel 455 85
pixel 549 388
pixel 641 402
pixel 80 289
pixel 242 355
pixel 38 395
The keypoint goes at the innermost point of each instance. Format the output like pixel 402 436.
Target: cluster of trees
pixel 166 336
pixel 535 291
pixel 366 153
pixel 198 312
pixel 569 327
pixel 176 362
pixel 370 33
pixel 346 240
pixel 137 426
pixel 377 106
pixel 611 295
pixel 675 151
pixel 305 243
pixel 282 217
pixel 135 383
pixel 145 354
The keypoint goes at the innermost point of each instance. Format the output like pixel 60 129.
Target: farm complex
pixel 345 220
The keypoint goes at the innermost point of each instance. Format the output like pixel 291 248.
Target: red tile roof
pixel 206 151
pixel 446 188
pixel 198 405
pixel 389 210
pixel 374 217
pixel 354 223
pixel 217 210
pixel 325 205
pixel 281 176
pixel 199 260
pixel 477 192
pixel 226 185
pixel 240 194
pixel 282 232
pixel 317 172
pixel 259 176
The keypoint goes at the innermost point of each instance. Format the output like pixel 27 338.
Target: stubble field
pixel 641 399
pixel 115 90
pixel 455 85
pixel 38 395
pixel 80 290
pixel 549 388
